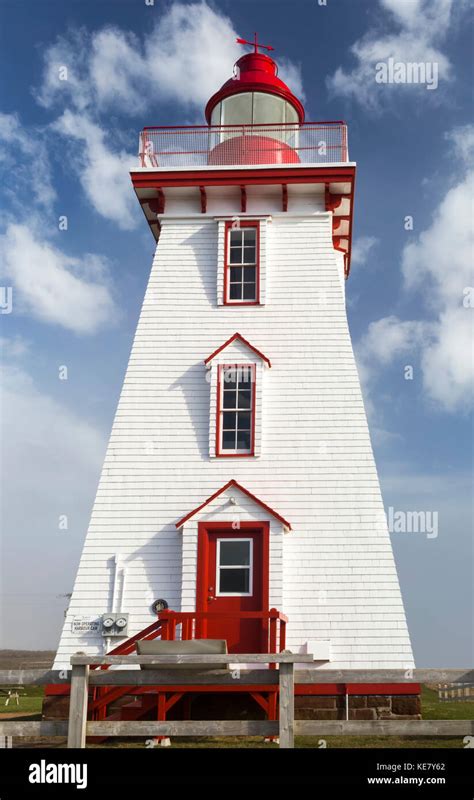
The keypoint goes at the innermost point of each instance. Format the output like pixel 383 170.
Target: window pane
pixel 236 274
pixel 228 422
pixel 235 291
pixel 229 377
pixel 237 109
pixel 244 398
pixel 243 440
pixel 249 291
pixel 250 236
pixel 249 274
pixel 249 255
pixel 234 580
pixel 228 440
pixel 236 235
pixel 235 255
pixel 291 115
pixel 234 553
pixel 244 420
pixel 245 377
pixel 229 399
pixel 268 108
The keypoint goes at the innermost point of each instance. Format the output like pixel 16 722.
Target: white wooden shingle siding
pixel 334 573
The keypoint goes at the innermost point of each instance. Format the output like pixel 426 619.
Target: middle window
pixel 236 410
pixel 241 277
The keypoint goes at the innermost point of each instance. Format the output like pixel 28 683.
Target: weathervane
pixel 255 43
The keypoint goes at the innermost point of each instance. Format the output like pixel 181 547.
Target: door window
pixel 234 566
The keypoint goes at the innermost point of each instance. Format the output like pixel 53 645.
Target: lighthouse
pixel 239 497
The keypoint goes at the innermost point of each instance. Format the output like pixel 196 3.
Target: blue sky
pixel 65 148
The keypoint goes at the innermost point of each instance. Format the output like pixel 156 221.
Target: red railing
pixel 224 145
pixel 193 625
pixel 190 624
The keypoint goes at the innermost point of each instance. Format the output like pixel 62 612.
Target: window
pixel 234 566
pixel 236 410
pixel 241 279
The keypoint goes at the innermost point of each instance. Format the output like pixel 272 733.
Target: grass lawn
pixel 31 698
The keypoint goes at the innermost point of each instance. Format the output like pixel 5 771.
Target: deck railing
pixel 285 677
pixel 193 625
pixel 227 145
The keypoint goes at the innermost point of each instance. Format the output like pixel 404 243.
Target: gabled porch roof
pixel 238 337
pixel 245 491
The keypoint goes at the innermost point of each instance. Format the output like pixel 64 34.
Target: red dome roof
pixel 255 72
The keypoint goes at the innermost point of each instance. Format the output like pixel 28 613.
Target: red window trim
pixel 219 452
pixel 231 226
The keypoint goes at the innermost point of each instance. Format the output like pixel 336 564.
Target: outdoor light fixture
pixel 159 605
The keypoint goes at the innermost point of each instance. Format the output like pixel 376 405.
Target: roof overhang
pixel 336 181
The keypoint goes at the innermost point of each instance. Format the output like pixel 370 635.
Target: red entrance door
pixel 233 578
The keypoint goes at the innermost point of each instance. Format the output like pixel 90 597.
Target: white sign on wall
pixel 85 625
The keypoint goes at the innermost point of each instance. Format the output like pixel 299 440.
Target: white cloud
pixel 23 153
pixel 448 362
pixel 290 74
pixel 51 458
pixel 65 74
pixel 54 287
pixel 362 248
pixel 421 27
pixel 13 346
pixel 420 15
pixel 184 58
pixel 463 141
pixel 104 174
pixel 439 266
pixel 390 337
pixel 387 340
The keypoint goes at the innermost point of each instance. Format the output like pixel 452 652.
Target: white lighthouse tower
pixel 239 475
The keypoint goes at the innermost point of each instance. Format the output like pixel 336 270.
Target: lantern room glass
pixel 256 108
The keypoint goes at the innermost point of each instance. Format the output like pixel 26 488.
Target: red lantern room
pixel 255 96
pixel 255 135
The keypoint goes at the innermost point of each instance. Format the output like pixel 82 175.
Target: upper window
pixel 236 410
pixel 241 278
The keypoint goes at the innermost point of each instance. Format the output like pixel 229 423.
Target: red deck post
pixel 282 634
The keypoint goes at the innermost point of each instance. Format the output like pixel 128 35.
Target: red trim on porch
pixel 300 688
